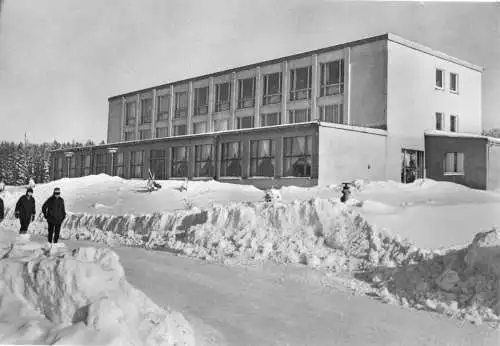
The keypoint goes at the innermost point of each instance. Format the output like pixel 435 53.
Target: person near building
pixel 54 212
pixel 25 210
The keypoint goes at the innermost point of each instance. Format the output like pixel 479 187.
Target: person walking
pixel 25 211
pixel 2 210
pixel 54 212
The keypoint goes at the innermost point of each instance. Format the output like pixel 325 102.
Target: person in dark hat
pixel 25 210
pixel 54 212
pixel 346 193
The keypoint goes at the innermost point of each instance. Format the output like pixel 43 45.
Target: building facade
pixel 358 110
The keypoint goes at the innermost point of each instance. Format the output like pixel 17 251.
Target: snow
pixel 407 245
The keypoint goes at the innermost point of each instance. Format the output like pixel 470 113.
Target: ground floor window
pixel 118 165
pixel 204 161
pixel 72 166
pixel 299 115
pixel 85 167
pixel 454 163
pixel 262 158
pixel 145 134
pixel 179 162
pixel 332 113
pixel 159 164
pixel 297 156
pixel 231 159
pixel 412 165
pixel 136 164
pixel 101 163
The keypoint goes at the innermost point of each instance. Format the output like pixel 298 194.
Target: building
pixel 358 110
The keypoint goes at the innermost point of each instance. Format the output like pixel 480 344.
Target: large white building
pixel 358 110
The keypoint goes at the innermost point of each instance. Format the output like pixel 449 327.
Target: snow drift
pixel 78 297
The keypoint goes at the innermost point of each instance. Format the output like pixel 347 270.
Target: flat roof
pixel 438 133
pixel 386 36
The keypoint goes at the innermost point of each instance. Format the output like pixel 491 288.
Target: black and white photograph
pixel 249 172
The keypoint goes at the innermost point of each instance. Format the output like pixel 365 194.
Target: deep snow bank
pixel 319 232
pixel 78 297
pixel 464 283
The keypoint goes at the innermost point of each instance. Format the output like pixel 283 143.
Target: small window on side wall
pixel 439 79
pixel 439 121
pixel 453 123
pixel 454 163
pixel 454 82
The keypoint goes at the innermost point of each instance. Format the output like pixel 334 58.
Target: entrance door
pixel 412 165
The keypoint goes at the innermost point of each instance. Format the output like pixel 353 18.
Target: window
pixel 412 165
pixel 300 83
pixel 72 166
pixel 85 165
pixel 272 88
pixel 262 158
pixel 180 130
pixel 130 113
pixel 179 162
pixel 59 168
pixel 163 107
pixel 161 132
pixel 299 115
pixel 439 79
pixel 453 123
pixel 200 127
pixel 439 121
pixel 136 164
pixel 231 160
pixel 145 134
pixel 118 165
pixel 130 136
pixel 270 119
pixel 201 101
pixel 146 111
pixel 454 82
pixel 101 165
pixel 454 163
pixel 332 113
pixel 222 97
pixel 181 104
pixel 244 122
pixel 297 156
pixel 246 93
pixel 204 161
pixel 220 125
pixel 332 78
pixel 158 166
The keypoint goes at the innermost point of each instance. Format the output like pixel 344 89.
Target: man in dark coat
pixel 2 211
pixel 25 210
pixel 54 211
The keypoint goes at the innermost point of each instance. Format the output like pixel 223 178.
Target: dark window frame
pixel 246 101
pixel 221 104
pixel 329 87
pixel 302 93
pixel 179 164
pixel 305 157
pixel 258 161
pixel 137 167
pixel 201 108
pixel 227 161
pixel 273 96
pixel 181 111
pixel 201 159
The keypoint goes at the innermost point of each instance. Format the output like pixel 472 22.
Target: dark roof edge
pixel 266 62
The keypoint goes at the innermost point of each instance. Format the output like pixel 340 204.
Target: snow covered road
pixel 283 305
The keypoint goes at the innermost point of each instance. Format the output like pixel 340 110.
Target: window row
pixel 296 158
pixel 440 122
pixel 440 80
pixel 331 83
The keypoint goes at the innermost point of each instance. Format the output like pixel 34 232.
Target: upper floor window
pixel 161 132
pixel 272 88
pixel 332 78
pixel 220 125
pixel 453 123
pixel 454 82
pixel 201 101
pixel 297 156
pixel 245 122
pixel 332 113
pixel 130 113
pixel 222 97
pixel 163 107
pixel 299 115
pixel 146 111
pixel 454 163
pixel 180 130
pixel 181 104
pixel 145 134
pixel 439 121
pixel 300 83
pixel 270 119
pixel 439 79
pixel 246 93
pixel 200 127
pixel 130 136
pixel 231 160
pixel 262 158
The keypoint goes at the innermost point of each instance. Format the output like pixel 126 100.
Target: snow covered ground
pixel 357 246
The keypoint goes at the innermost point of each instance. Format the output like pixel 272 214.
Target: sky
pixel 60 60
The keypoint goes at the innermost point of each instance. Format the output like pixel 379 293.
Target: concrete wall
pixel 475 159
pixel 348 154
pixel 413 100
pixel 493 167
pixel 368 85
pixel 115 121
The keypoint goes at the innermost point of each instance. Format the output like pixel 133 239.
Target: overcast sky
pixel 60 60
